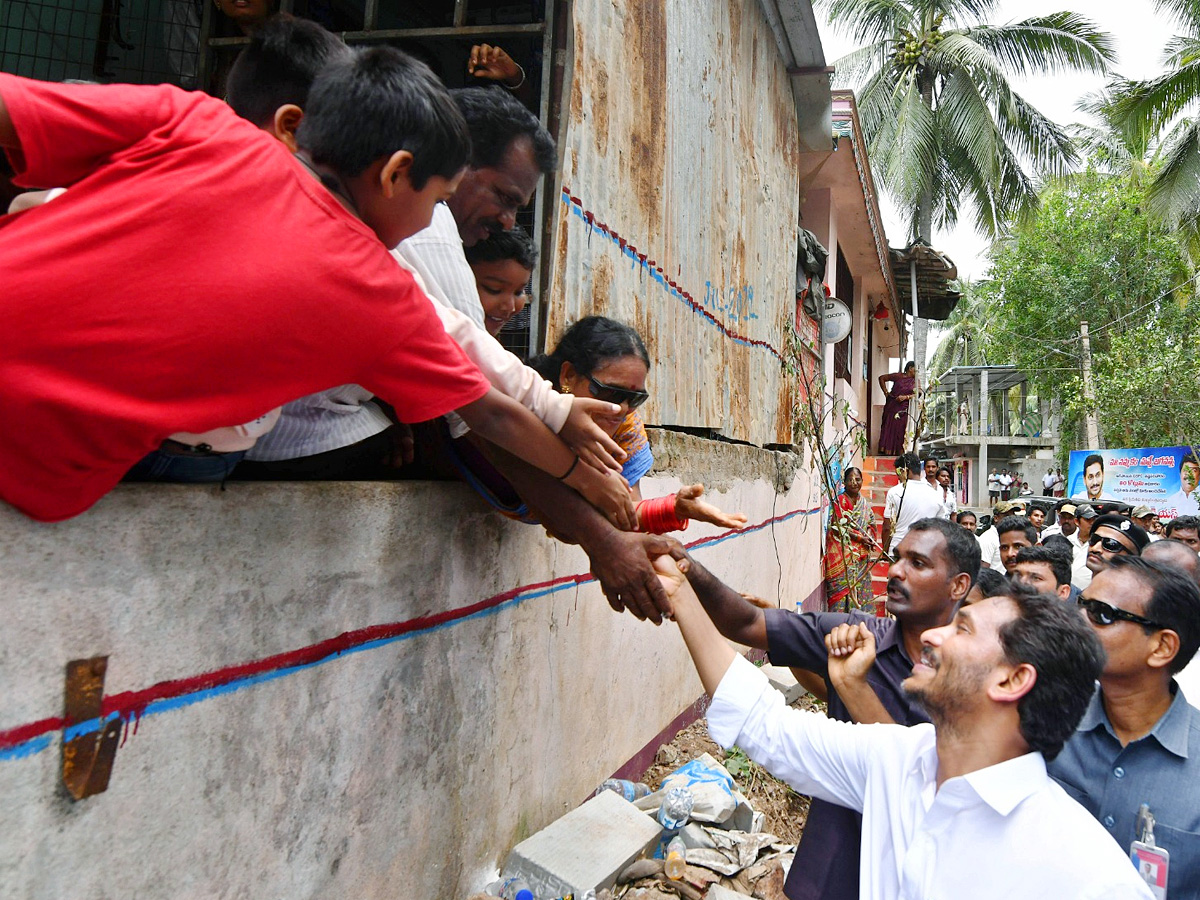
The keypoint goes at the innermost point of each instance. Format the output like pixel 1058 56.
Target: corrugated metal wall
pixel 678 204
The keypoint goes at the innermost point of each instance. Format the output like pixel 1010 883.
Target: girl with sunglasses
pixel 605 359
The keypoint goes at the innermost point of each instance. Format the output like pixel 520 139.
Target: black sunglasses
pixel 1103 615
pixel 612 394
pixel 1112 545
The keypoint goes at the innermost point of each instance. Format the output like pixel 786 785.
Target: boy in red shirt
pixel 196 274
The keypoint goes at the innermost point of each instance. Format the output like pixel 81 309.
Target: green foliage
pixel 939 111
pixel 1093 253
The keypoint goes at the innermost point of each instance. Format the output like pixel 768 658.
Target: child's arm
pixel 711 653
pixel 506 423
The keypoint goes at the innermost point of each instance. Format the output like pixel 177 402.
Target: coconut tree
pixel 1166 108
pixel 964 335
pixel 943 122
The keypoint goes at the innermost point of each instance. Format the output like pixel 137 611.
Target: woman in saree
pixel 848 547
pixel 895 410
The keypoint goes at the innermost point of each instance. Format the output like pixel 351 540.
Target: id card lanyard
pixel 1151 862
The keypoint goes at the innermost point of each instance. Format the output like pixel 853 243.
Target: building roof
pixel 936 299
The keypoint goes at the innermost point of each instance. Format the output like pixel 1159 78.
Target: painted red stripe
pixel 131 704
pixel 684 295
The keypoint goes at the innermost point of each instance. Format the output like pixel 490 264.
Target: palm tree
pixel 942 119
pixel 1164 108
pixel 966 332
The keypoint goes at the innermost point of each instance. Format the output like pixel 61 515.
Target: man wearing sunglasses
pixel 1139 740
pixel 1113 536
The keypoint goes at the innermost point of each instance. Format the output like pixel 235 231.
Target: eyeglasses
pixel 612 394
pixel 1112 545
pixel 1100 613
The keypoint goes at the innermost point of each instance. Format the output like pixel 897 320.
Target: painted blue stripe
pixel 37 745
pixel 577 211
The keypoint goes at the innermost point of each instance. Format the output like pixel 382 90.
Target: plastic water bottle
pixel 676 859
pixel 676 809
pixel 516 889
pixel 630 790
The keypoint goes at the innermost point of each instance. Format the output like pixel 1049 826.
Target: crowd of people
pixel 1041 665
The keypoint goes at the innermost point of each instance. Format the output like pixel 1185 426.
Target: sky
pixel 1140 33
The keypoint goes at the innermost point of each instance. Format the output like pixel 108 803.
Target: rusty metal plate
pixel 87 759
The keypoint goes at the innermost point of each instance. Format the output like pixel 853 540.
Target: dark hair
pixel 1174 603
pixel 850 469
pixel 589 344
pixel 1187 523
pixel 379 101
pixel 911 362
pixel 965 512
pixel 1053 638
pixel 945 469
pixel 991 582
pixel 1017 523
pixel 962 550
pixel 495 119
pixel 516 245
pixel 1093 458
pixel 279 66
pixel 1056 543
pixel 1188 458
pixel 909 461
pixel 1060 566
pixel 1176 554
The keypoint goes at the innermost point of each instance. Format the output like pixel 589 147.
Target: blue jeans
pixel 160 465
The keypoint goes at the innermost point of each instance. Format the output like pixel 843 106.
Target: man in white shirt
pixel 959 808
pixel 989 541
pixel 908 501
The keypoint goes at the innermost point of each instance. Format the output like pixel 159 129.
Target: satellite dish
pixel 838 321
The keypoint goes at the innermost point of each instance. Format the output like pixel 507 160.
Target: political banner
pixel 1167 479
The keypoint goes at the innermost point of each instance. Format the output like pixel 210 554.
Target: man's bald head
pixel 1177 555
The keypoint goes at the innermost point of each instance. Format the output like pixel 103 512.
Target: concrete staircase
pixel 879 474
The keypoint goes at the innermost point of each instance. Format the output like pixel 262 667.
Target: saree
pixel 895 417
pixel 848 554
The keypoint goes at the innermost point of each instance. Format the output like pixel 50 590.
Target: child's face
pixel 408 210
pixel 501 285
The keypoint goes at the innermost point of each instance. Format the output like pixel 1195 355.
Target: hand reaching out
pixel 493 64
pixel 688 505
pixel 587 440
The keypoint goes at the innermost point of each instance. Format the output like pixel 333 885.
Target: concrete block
pixel 716 892
pixel 585 849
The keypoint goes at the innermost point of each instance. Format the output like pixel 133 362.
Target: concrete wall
pixel 257 762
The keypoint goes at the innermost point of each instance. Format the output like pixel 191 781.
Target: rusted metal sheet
pixel 678 204
pixel 87 759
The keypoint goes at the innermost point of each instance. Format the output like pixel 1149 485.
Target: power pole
pixel 1093 425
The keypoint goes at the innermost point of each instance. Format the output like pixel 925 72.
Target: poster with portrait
pixel 1167 479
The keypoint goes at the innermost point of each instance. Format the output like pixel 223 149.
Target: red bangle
pixel 657 516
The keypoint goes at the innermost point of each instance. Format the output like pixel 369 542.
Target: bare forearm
pixel 509 425
pixel 710 652
pixel 732 614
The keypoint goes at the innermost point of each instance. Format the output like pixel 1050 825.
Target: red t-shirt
pixel 194 276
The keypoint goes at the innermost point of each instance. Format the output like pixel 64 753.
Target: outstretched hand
pixel 621 563
pixel 587 440
pixel 688 505
pixel 493 64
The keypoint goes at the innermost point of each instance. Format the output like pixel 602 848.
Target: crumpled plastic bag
pixel 711 786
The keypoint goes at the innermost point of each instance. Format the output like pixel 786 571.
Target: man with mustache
pixel 936 563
